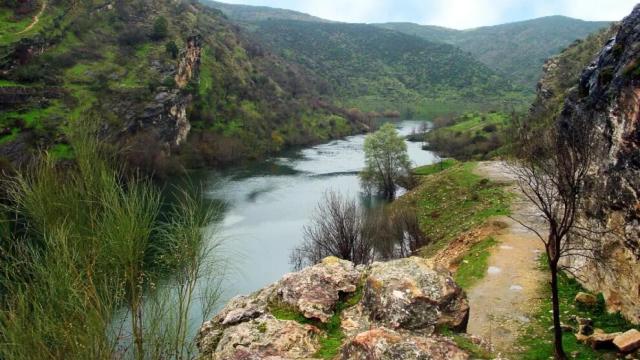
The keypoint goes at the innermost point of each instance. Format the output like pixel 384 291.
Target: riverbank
pixel 497 261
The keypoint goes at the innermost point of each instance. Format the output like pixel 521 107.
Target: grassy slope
pixel 475 263
pixel 471 136
pixel 453 201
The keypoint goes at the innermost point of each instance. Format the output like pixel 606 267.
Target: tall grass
pixel 80 244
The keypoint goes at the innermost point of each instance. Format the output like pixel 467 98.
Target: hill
pixel 248 14
pixel 517 49
pixel 377 69
pixel 163 80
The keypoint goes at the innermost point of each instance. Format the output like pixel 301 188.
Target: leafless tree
pixel 335 230
pixel 552 169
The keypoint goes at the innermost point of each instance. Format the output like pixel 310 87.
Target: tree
pixel 172 49
pixel 552 170
pixel 386 161
pixel 160 28
pixel 335 230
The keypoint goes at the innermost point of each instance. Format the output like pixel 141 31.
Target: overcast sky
pixel 457 14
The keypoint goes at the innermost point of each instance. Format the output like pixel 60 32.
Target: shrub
pixel 172 49
pixel 160 29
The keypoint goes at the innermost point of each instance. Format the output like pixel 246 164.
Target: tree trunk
pixel 558 350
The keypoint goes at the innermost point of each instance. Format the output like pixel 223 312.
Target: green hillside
pixel 247 13
pixel 146 72
pixel 517 49
pixel 377 69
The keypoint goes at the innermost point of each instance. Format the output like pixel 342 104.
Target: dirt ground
pixel 503 300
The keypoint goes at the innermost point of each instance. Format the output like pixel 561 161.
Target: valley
pixel 188 179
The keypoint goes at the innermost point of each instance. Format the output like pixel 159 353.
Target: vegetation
pixel 78 247
pixel 246 102
pixel 475 263
pixel 362 68
pixel 452 202
pixel 387 163
pixel 537 342
pixel 517 50
pixel 336 229
pixel 470 136
pixel 345 230
pixel 434 168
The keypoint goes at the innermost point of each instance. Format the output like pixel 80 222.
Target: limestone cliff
pixel 608 96
pixel 383 311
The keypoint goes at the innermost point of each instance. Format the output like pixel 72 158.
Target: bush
pixel 160 29
pixel 172 49
pixel 132 37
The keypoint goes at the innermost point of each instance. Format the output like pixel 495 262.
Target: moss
pixel 62 152
pixel 333 335
pixel 262 327
pixel 474 265
pixel 464 343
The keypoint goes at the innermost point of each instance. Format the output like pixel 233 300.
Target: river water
pixel 269 203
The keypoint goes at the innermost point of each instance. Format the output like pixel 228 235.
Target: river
pixel 268 203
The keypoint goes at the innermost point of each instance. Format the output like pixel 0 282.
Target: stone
pixel 628 341
pixel 402 302
pixel 264 337
pixel 602 340
pixel 387 344
pixel 586 299
pixel 410 294
pixel 564 327
pixel 315 290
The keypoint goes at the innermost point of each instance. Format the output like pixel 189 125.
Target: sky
pixel 456 14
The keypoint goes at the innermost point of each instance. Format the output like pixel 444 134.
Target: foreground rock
pixel 386 311
pixel 629 341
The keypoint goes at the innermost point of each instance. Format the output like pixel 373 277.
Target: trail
pixel 503 300
pixel 36 19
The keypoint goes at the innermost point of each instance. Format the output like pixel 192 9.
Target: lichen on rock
pixel 403 302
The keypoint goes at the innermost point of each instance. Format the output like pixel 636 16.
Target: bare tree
pixel 552 169
pixel 335 230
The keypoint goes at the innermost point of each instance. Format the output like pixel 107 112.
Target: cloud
pixel 458 14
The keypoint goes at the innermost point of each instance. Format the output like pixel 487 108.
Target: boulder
pixel 265 337
pixel 586 299
pixel 600 340
pixel 628 341
pixel 410 294
pixel 316 290
pixel 402 303
pixel 386 344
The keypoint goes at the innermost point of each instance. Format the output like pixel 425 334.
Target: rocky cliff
pixel 383 311
pixel 608 96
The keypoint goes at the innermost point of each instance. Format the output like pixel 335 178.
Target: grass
pixel 333 335
pixel 434 168
pixel 474 265
pixel 79 245
pixel 537 343
pixel 464 343
pixel 453 201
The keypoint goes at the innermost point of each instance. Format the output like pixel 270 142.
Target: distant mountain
pixel 377 69
pixel 517 49
pixel 247 13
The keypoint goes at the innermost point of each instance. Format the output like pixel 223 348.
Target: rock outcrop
pixel 608 97
pixel 385 311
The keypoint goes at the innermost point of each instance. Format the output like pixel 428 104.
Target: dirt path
pixel 502 301
pixel 36 19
